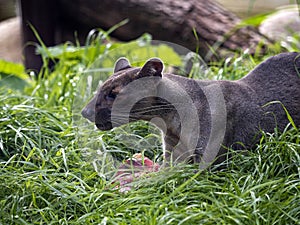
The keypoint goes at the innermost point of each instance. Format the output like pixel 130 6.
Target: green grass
pixel 55 168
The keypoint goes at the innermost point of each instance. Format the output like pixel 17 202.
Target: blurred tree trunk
pixel 42 16
pixel 177 21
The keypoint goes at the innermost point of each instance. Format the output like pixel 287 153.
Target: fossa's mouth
pixel 104 126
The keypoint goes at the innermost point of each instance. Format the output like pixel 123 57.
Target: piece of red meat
pixel 131 170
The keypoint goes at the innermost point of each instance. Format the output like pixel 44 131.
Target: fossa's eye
pixel 111 96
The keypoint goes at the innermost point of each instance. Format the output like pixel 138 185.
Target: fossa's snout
pixel 89 113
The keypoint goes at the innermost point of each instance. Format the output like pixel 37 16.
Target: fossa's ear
pixel 121 64
pixel 153 67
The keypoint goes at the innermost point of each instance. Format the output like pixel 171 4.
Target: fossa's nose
pixel 88 113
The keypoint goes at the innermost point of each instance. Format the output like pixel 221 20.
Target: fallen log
pixel 200 25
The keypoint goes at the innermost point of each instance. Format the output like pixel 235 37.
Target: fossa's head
pixel 125 94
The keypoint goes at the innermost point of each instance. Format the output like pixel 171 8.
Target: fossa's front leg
pixel 175 151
